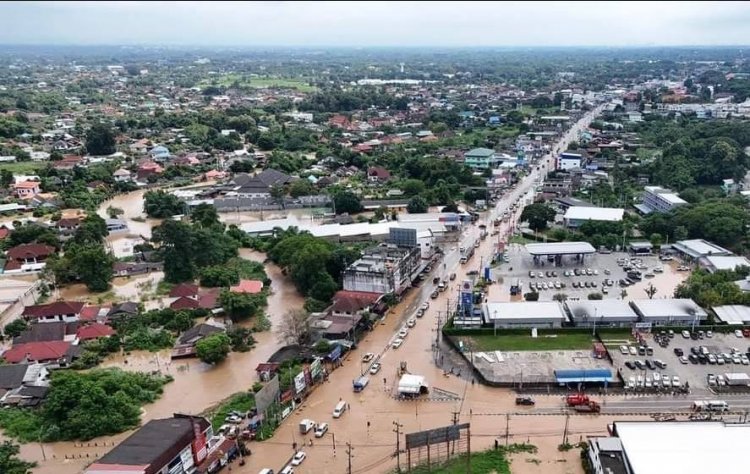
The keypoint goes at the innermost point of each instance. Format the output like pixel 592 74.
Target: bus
pixel 515 288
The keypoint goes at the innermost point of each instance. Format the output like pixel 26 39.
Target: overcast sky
pixel 376 23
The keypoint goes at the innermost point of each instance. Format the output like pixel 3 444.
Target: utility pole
pixel 349 450
pixel 565 431
pixel 396 430
pixel 507 428
pixel 455 417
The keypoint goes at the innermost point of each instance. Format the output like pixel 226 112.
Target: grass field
pixel 23 167
pixel 242 402
pixel 258 82
pixel 517 342
pixel 484 462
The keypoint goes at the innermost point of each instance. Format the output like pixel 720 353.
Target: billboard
pixel 403 237
pixel 299 383
pixel 434 436
pixel 316 368
pixel 467 298
pixel 267 395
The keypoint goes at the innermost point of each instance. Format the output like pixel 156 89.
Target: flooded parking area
pixel 532 367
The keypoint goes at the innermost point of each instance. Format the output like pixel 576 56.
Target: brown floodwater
pixel 196 386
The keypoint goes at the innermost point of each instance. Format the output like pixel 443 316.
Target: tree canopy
pixel 537 215
pixel 161 204
pixel 214 348
pixel 100 140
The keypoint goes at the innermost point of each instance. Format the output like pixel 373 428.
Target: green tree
pixel 412 187
pixel 160 204
pixel 278 193
pixel 656 240
pixel 9 461
pixel 417 205
pixel 205 215
pixel 6 178
pixel 176 240
pixel 15 328
pixel 301 187
pixel 100 140
pixel 531 296
pixel 240 306
pixel 214 348
pixel 346 202
pixel 595 296
pixel 537 215
pixel 92 264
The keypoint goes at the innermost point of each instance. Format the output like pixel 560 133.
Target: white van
pixel 711 405
pixel 340 409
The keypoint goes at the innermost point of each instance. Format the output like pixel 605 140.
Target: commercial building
pixel 732 314
pixel 669 311
pixel 529 314
pixel 698 248
pixel 612 313
pixel 555 251
pixel 481 158
pixel 174 445
pixel 568 161
pixel 577 215
pixel 384 269
pixel 685 447
pixel 714 263
pixel 658 199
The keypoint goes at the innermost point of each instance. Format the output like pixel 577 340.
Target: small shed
pixel 412 385
pixel 600 352
pixel 595 375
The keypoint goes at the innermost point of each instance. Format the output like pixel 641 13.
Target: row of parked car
pixel 656 380
pixel 702 355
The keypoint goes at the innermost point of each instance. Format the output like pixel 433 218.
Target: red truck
pixel 590 407
pixel 576 399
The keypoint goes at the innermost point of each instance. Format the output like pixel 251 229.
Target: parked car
pixel 397 343
pixel 738 333
pixel 624 350
pixel 375 368
pixel 678 352
pixel 368 357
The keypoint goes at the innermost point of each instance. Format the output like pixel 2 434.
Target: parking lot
pixel 691 370
pixel 601 266
pixel 533 367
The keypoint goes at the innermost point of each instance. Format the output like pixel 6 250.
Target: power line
pixel 349 450
pixel 397 430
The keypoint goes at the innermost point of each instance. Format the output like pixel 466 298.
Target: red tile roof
pixel 89 313
pixel 183 302
pixel 23 251
pixel 37 351
pixel 26 185
pixel 352 301
pixel 94 331
pixel 184 289
pixel 248 286
pixel 4 232
pixel 53 309
pixel 209 299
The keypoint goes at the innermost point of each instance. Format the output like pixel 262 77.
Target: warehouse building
pixel 698 248
pixel 685 447
pixel 575 216
pixel 609 313
pixel 714 263
pixel 658 199
pixel 527 314
pixel 669 311
pixel 733 314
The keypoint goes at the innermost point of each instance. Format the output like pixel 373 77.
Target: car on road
pixel 435 294
pixel 375 368
pixel 368 357
pixel 287 470
pixel 425 305
pixel 411 322
pixel 452 277
pixel 526 401
pixel 321 429
pixel 397 343
pixel 420 313
pixel 298 458
pixel 403 333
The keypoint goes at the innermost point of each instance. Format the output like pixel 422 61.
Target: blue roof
pixel 159 150
pixel 583 375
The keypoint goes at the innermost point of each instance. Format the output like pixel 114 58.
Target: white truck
pixel 306 425
pixel 737 379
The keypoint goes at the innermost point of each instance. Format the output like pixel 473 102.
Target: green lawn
pixel 545 342
pixel 259 82
pixel 23 167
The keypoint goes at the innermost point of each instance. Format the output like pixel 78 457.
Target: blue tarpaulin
pixel 584 375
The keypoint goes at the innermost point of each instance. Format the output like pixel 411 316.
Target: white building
pixel 568 161
pixel 669 311
pixel 733 314
pixel 658 199
pixel 609 312
pixel 577 215
pixel 714 263
pixel 527 314
pixel 696 249
pixel 655 447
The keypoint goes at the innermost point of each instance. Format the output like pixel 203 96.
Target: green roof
pixel 480 152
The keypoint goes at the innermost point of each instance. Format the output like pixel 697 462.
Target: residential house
pixel 123 310
pixel 259 186
pixel 51 352
pixel 94 331
pixel 185 346
pixel 159 153
pixel 67 311
pixel 251 287
pixel 140 147
pixel 23 384
pixel 340 121
pixel 568 160
pixel 122 175
pixel 347 303
pixel 378 174
pixel 188 290
pixel 27 189
pixel 68 162
pixel 68 225
pixel 27 257
pixel 146 169
pixel 50 331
